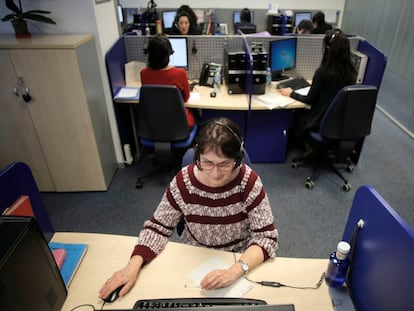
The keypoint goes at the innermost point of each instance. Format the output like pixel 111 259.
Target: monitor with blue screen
pixel 168 18
pixel 282 57
pixel 179 58
pixel 299 16
pixel 236 17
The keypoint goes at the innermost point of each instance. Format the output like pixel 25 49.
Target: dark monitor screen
pixel 236 17
pixel 29 276
pixel 168 18
pixel 282 54
pixel 299 16
pixel 179 58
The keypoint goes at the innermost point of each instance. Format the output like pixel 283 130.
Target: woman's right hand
pixel 286 91
pixel 125 277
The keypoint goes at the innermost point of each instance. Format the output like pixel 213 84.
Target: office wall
pixel 388 26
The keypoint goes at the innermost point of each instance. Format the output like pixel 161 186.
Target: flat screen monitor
pixel 282 57
pixel 236 17
pixel 168 18
pixel 179 58
pixel 29 276
pixel 299 16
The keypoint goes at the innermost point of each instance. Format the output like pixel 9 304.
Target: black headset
pixel 240 157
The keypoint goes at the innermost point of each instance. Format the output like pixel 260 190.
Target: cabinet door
pixel 61 117
pixel 18 139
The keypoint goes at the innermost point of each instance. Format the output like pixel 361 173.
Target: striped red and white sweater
pixel 229 218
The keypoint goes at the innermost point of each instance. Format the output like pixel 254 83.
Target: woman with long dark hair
pixel 335 72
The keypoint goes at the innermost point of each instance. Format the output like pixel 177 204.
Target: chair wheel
pixel 139 184
pixel 294 164
pixel 309 184
pixel 346 187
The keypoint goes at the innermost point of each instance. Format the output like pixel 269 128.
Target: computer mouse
pixel 114 295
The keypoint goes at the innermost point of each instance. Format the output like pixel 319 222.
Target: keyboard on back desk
pixel 294 83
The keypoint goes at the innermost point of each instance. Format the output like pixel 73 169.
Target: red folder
pixel 20 207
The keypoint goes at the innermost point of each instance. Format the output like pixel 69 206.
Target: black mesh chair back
pixel 161 114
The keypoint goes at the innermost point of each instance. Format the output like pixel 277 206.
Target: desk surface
pixel 225 101
pixel 201 99
pixel 166 276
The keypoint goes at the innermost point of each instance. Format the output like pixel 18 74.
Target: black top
pixel 245 27
pixel 322 29
pixel 193 31
pixel 323 90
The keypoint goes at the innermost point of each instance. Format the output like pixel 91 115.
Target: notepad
pixel 128 92
pixel 273 101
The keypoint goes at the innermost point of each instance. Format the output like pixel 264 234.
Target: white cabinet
pixel 63 132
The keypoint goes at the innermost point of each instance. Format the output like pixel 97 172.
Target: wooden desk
pixel 166 276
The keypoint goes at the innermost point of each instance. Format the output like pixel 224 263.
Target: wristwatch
pixel 244 266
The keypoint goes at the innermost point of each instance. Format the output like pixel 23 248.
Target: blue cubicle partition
pixel 17 179
pixel 377 61
pixel 382 273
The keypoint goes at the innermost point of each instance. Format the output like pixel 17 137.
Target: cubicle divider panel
pixel 211 49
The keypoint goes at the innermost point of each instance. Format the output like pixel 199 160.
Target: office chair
pixel 188 158
pixel 346 121
pixel 162 126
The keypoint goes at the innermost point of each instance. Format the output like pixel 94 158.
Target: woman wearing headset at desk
pixel 184 25
pixel 159 72
pixel 225 207
pixel 335 72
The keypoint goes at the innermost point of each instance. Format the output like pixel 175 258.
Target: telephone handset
pixel 207 74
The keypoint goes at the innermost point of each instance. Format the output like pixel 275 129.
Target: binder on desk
pixel 127 93
pixel 273 101
pixel 74 256
pixel 20 207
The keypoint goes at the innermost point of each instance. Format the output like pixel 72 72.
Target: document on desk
pixel 127 92
pixel 273 101
pixel 238 289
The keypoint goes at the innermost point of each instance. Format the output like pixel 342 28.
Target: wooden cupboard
pixel 63 132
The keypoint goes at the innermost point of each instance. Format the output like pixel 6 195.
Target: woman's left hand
pixel 218 279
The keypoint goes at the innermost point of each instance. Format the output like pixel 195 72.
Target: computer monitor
pixel 168 18
pixel 236 17
pixel 29 276
pixel 299 16
pixel 282 57
pixel 179 58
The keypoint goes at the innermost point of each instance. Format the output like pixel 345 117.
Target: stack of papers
pixel 275 101
pixel 127 92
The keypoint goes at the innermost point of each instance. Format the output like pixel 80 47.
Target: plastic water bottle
pixel 338 265
pixel 268 76
pixel 217 79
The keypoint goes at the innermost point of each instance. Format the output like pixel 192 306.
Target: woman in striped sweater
pixel 224 206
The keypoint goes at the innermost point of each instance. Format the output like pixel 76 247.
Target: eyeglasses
pixel 222 166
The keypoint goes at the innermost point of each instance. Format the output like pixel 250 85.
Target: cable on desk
pixel 278 284
pixel 92 307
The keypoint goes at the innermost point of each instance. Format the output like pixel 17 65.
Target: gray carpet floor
pixel 310 222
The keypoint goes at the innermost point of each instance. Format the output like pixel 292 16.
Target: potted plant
pixel 18 18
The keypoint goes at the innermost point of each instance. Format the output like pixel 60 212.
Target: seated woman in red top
pixel 159 72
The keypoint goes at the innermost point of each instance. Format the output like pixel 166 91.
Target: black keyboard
pixel 294 83
pixel 213 304
pixel 167 303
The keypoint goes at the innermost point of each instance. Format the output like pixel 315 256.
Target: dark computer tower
pixel 236 69
pixel 279 24
pixel 29 276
